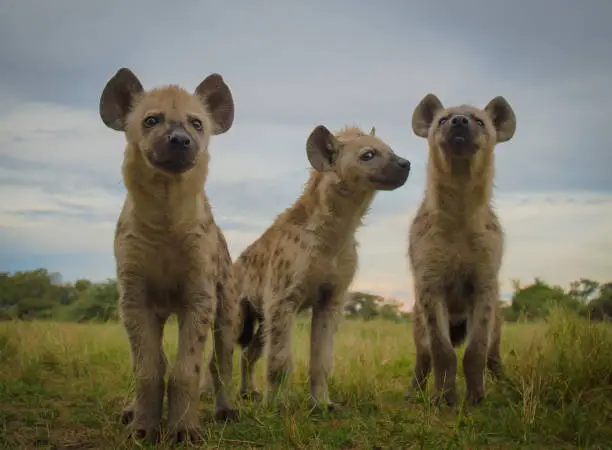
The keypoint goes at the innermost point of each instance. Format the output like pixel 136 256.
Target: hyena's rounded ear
pixel 424 113
pixel 503 118
pixel 117 98
pixel 217 97
pixel 321 148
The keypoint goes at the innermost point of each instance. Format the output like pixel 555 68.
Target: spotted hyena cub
pixel 456 245
pixel 171 256
pixel 308 256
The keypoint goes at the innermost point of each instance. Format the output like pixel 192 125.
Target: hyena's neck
pixel 333 212
pixel 159 200
pixel 462 193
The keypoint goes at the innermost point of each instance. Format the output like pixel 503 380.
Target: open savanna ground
pixel 63 385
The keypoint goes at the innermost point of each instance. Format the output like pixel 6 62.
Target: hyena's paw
pixel 142 425
pixel 415 394
pixel 474 396
pixel 183 434
pixel 227 415
pixel 447 397
pixel 144 428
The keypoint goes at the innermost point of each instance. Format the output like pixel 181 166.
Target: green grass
pixel 62 386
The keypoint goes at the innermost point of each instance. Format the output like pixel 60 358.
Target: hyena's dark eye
pixel 443 120
pixel 197 124
pixel 151 121
pixel 480 123
pixel 367 155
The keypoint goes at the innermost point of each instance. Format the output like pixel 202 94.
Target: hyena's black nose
pixel 179 139
pixel 403 163
pixel 460 121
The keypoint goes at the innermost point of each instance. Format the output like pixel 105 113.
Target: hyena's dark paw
pixel 148 432
pixel 187 434
pixel 475 396
pixel 227 415
pixel 447 397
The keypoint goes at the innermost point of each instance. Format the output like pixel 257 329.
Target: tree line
pixel 38 295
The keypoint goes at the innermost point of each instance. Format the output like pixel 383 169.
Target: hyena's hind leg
pixel 221 363
pixel 250 355
pixel 252 341
pixel 494 361
pixel 278 321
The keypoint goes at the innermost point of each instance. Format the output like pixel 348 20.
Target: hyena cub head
pixel 463 133
pixel 167 128
pixel 359 160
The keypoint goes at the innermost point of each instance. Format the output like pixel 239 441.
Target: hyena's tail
pixel 249 317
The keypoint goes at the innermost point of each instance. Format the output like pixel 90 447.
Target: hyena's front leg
pixel 127 415
pixel 480 323
pixel 144 330
pixel 220 365
pixel 442 352
pixel 194 320
pixel 326 311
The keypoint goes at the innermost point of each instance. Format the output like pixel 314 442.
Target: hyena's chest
pixel 172 261
pixel 469 265
pixel 317 271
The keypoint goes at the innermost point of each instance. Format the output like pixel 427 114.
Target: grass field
pixel 62 386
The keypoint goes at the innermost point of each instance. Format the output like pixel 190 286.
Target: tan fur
pixel 171 256
pixel 456 246
pixel 308 256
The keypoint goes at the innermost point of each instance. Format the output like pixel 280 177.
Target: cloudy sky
pixel 292 65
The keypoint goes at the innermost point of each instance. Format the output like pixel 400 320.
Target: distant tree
pixel 97 303
pixel 583 290
pixel 600 308
pixel 367 306
pixel 535 300
pixel 81 285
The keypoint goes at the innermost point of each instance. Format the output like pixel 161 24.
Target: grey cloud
pixel 269 50
pixel 51 179
pixel 295 66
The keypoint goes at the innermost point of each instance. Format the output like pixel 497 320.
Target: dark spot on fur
pixel 296 239
pixel 484 321
pixel 201 338
pixel 197 368
pixel 192 350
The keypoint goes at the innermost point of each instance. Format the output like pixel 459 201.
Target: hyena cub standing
pixel 456 245
pixel 308 256
pixel 171 256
